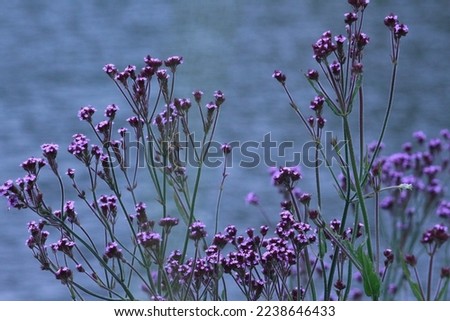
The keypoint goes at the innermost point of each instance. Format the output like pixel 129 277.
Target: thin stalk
pixel 359 192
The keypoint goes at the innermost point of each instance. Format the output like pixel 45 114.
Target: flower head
pixel 278 75
pixel 197 230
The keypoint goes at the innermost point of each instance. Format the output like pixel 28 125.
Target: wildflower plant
pixel 134 230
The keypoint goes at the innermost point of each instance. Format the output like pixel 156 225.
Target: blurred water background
pixel 51 59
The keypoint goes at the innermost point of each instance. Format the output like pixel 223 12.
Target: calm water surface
pixel 52 52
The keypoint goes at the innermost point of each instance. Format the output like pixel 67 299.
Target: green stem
pixel 359 192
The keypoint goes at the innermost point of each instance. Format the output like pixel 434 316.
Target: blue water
pixel 52 53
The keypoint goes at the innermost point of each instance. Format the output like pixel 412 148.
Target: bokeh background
pixel 51 59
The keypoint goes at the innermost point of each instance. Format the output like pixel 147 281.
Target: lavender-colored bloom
pixel 148 239
pixel 86 112
pixel 445 133
pixel 438 234
pixel 64 274
pixel 112 251
pixel 211 106
pixel 432 170
pixel 173 62
pixel 359 4
pixel 387 203
pixel 168 222
pixel 252 199
pixel 63 245
pixel 110 69
pixel 219 97
pixel 122 77
pixel 197 95
pixel 231 232
pixel 50 150
pixel 278 75
pixel 197 230
pixel 400 30
pixel 390 21
pixel 443 210
pixel 317 104
pixel 323 47
pixel 153 62
pixel 70 213
pixel 226 149
pixel 435 145
pixel 220 240
pixel 111 110
pixel 362 40
pixel 350 17
pixel 411 260
pixel 130 70
pixel 419 136
pixel 70 172
pixel 135 122
pixel 147 72
pixel 162 75
pixel 32 165
pixel 335 68
pixel 312 74
pixel 103 127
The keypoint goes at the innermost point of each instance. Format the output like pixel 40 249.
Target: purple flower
pixel 112 251
pixel 69 212
pixel 226 149
pixel 335 68
pixel 103 127
pixel 64 274
pixel 411 260
pixel 443 209
pixel 173 62
pixel 219 97
pixel 153 62
pixel 390 21
pixel 110 69
pixel 122 77
pixel 162 75
pixel 50 150
pixel 135 122
pixel 197 230
pixel 130 70
pixel 438 234
pixel 147 72
pixel 252 199
pixel 278 75
pixel 350 17
pixel 86 112
pixel 79 147
pixel 111 110
pixel 419 136
pixel 32 165
pixel 197 95
pixel 70 172
pixel 359 4
pixel 312 74
pixel 63 245
pixel 317 104
pixel 362 40
pixel 400 30
pixel 323 47
pixel 168 222
pixel 148 239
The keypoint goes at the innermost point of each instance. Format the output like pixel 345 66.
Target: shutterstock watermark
pixel 244 154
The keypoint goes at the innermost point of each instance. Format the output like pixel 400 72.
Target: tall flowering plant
pixel 134 229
